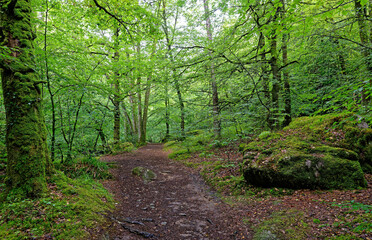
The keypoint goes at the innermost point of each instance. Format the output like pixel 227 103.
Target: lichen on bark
pixel 28 158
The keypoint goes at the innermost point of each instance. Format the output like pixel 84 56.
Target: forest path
pixel 177 205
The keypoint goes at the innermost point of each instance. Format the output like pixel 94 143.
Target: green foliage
pixel 121 147
pixel 86 165
pixel 195 142
pixel 358 218
pixel 66 212
pixel 354 206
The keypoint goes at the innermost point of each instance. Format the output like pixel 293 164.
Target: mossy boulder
pixel 322 152
pixel 146 174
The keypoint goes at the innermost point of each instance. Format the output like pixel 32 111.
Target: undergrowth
pixel 86 165
pixel 71 207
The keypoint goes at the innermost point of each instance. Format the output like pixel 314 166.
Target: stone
pixel 310 153
pixel 146 174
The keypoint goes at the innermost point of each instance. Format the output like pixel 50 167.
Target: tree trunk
pixel 129 128
pixel 215 102
pixel 116 97
pixel 171 59
pixel 361 15
pixel 287 87
pixel 49 87
pixel 182 107
pixel 274 121
pixel 167 114
pixel 26 138
pixel 145 109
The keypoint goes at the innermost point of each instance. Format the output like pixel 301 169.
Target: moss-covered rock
pixel 146 174
pixel 322 152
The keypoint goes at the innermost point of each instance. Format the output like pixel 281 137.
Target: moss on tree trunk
pixel 28 159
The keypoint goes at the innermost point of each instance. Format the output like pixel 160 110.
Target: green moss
pixel 283 225
pixel 312 152
pixel 66 212
pixel 28 157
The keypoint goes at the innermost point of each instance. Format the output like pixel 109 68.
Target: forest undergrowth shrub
pixel 195 142
pixel 120 147
pixel 67 211
pixel 86 165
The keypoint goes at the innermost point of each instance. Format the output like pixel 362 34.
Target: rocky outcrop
pixel 323 152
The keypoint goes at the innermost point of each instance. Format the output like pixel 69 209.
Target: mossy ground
pixel 67 211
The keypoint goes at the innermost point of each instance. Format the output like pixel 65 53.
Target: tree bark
pixel 361 16
pixel 116 97
pixel 167 114
pixel 26 138
pixel 274 120
pixel 287 87
pixel 49 87
pixel 215 101
pixel 145 110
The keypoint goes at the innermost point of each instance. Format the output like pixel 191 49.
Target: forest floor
pixel 179 205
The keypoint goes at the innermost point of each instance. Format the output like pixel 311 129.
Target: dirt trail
pixel 177 205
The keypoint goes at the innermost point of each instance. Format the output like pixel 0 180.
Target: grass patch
pixel 66 212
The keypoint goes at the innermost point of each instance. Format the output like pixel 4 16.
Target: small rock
pixel 146 174
pixel 163 223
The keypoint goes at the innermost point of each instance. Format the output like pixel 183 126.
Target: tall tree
pixel 274 121
pixel 116 98
pixel 215 102
pixel 287 87
pixel 365 38
pixel 28 157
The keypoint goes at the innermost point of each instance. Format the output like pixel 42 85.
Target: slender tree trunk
pixel 133 103
pixel 141 127
pixel 265 76
pixel 145 109
pixel 116 97
pixel 51 95
pixel 264 68
pixel 215 102
pixel 274 121
pixel 287 87
pixel 129 124
pixel 167 114
pixel 275 84
pixel 361 15
pixel 26 137
pixel 171 59
pixel 182 107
